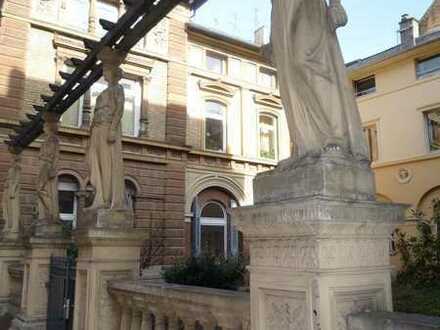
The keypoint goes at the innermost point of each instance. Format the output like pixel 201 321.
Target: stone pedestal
pixel 11 253
pixel 33 309
pixel 105 253
pixel 317 258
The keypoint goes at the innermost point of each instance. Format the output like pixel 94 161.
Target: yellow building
pixel 398 93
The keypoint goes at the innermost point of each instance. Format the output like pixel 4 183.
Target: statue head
pixel 112 74
pixel 111 60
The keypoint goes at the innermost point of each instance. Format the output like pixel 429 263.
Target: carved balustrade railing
pixel 147 305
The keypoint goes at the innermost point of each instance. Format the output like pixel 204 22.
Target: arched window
pixel 215 126
pixel 68 188
pixel 130 194
pixel 213 229
pixel 268 144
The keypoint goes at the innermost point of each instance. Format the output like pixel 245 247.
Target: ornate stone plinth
pixel 318 258
pixel 105 254
pixel 11 253
pixel 33 309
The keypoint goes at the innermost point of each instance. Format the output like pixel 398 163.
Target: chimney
pixel 409 31
pixel 261 36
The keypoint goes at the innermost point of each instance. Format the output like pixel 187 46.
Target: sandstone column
pixel 47 238
pixel 109 245
pixel 318 244
pixel 318 240
pixel 11 243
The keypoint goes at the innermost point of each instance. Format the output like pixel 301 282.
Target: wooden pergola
pixel 141 16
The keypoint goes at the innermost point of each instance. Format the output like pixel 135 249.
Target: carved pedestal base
pixel 33 309
pixel 333 174
pixel 105 254
pixel 11 254
pixel 316 260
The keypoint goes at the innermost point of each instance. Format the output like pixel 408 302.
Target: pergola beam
pixel 139 19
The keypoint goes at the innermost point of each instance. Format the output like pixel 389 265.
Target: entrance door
pixel 61 293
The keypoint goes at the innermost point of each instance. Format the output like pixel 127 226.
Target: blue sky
pixel 372 28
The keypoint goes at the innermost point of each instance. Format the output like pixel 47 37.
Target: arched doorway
pixel 212 231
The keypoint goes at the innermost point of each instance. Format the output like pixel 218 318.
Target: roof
pixel 217 34
pixel 394 51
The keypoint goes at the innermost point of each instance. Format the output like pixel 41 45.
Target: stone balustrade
pixel 147 305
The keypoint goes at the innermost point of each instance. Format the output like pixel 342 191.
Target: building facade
pixel 202 117
pixel 399 101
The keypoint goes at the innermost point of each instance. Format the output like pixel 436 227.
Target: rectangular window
pixel 268 78
pixel 107 11
pixel 428 66
pixel 371 136
pixel 268 137
pixel 132 106
pixel 73 116
pixel 433 121
pixel 216 63
pixel 365 86
pixel 215 138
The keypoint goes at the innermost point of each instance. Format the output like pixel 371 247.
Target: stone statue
pixel 11 198
pixel 105 146
pixel 47 185
pixel 321 110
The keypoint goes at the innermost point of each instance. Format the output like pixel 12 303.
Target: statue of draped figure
pixel 11 198
pixel 318 99
pixel 47 183
pixel 105 145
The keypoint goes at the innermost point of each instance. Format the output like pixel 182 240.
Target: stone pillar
pixel 105 254
pixel 11 244
pixel 33 309
pixel 11 254
pixel 318 244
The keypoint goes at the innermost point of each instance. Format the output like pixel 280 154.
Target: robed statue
pixel 47 184
pixel 321 110
pixel 105 145
pixel 11 198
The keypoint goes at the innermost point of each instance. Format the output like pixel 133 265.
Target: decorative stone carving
pixel 318 99
pixel 11 199
pixel 157 38
pixel 105 147
pixel 368 300
pixel 404 175
pixel 47 184
pixel 285 311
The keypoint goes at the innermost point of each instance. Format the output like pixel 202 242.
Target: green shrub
pixel 410 299
pixel 420 254
pixel 208 271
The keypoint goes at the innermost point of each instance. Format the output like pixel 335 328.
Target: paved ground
pixel 5 322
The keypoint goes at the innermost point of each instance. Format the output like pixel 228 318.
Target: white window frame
pixel 70 69
pixel 275 128
pixel 217 55
pixel 428 73
pixel 100 86
pixel 214 222
pixel 70 186
pixel 367 91
pixel 224 121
